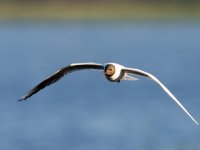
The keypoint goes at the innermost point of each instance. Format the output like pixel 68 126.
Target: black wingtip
pixel 21 99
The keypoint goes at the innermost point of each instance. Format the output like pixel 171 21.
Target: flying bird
pixel 112 71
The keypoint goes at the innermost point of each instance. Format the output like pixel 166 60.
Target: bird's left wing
pixel 59 74
pixel 150 76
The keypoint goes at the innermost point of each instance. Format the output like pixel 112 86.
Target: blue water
pixel 86 112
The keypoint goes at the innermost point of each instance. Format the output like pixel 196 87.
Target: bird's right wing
pixel 59 74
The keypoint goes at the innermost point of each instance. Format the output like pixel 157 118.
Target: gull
pixel 112 71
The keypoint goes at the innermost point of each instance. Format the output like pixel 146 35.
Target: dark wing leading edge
pixel 150 76
pixel 59 74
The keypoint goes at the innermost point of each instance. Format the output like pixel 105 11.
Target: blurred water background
pixel 84 111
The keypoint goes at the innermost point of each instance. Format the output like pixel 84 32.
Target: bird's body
pixel 112 71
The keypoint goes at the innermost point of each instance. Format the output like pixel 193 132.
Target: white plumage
pixel 112 71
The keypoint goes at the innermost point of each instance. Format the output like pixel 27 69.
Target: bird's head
pixel 109 70
pixel 113 72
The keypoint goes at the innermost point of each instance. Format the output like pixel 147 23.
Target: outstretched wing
pixel 59 74
pixel 148 75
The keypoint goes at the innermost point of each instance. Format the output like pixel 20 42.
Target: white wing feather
pixel 146 74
